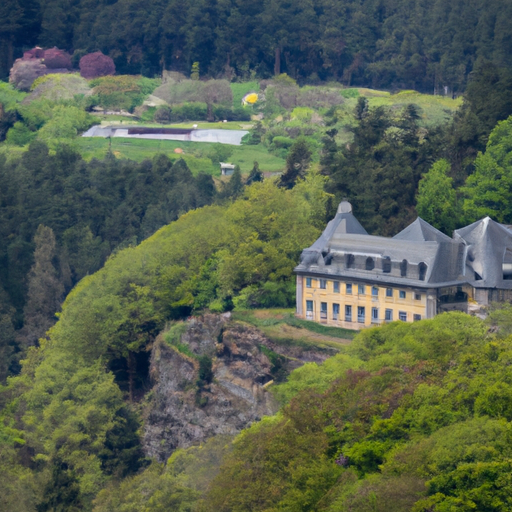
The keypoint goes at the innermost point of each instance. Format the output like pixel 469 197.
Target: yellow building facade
pixel 357 304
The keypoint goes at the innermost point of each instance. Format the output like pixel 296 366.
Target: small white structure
pixel 226 169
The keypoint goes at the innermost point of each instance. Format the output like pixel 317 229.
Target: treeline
pixel 405 44
pixel 61 217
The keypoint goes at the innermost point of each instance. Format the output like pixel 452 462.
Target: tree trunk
pixel 209 112
pixel 277 62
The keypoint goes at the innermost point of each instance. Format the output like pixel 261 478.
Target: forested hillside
pixel 139 287
pixel 388 44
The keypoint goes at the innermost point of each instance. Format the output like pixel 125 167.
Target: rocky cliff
pixel 212 380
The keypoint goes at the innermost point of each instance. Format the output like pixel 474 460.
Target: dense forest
pixel 383 44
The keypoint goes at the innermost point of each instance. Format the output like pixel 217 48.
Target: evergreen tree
pixel 255 174
pixel 297 163
pixel 45 290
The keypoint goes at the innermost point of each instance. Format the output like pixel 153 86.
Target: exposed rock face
pixel 94 65
pixel 181 413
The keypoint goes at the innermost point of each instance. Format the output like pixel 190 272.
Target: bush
pixel 25 72
pixel 123 92
pixel 19 135
pixel 281 142
pixel 270 295
pixel 221 112
pixel 188 112
pixel 163 115
pixel 350 93
pixel 58 87
pixel 94 65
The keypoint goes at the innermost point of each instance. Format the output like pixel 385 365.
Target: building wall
pixel 414 303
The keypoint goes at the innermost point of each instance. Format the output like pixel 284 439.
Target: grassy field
pixel 139 149
pixel 281 326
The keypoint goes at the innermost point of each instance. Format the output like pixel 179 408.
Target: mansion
pixel 351 279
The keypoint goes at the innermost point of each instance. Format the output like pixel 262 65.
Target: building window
pixel 308 282
pixel 370 264
pixel 402 315
pixel 309 309
pixel 323 284
pixel 349 288
pixel 386 264
pixel 336 286
pixel 417 318
pixel 389 292
pixel 388 315
pixel 323 310
pixel 401 294
pixel 335 311
pixel 360 314
pixel 349 260
pixel 422 269
pixel 348 313
pixel 375 291
pixel 361 289
pixel 403 268
pixel 417 296
pixel 375 314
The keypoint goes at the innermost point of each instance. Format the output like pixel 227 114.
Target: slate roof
pixel 486 243
pixel 422 231
pixel 479 248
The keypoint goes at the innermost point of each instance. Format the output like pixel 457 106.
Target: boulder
pixel 94 65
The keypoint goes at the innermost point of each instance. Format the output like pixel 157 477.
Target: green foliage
pixel 405 405
pixel 124 92
pixel 19 135
pixel 69 404
pixel 205 371
pixel 59 87
pixel 437 200
pixel 487 190
pixel 350 93
pixel 297 163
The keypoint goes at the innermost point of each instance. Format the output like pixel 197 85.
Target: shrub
pixel 122 92
pixel 19 135
pixel 25 72
pixel 94 65
pixel 58 87
pixel 163 115
pixel 188 112
pixel 350 93
pixel 282 142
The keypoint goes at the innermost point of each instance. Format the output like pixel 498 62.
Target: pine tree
pixel 45 290
pixel 297 163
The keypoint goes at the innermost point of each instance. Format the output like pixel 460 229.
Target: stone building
pixel 351 279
